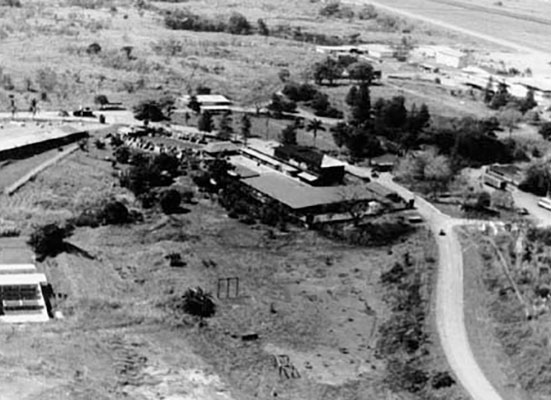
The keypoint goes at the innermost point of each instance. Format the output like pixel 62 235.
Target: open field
pixel 318 301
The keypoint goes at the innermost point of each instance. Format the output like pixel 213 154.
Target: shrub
pixel 122 154
pixel 238 25
pixel 101 100
pixel 114 213
pixel 93 48
pixel 170 201
pixel 48 240
pixel 198 303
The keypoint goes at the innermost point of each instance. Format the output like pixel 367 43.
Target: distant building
pixel 540 86
pixel 451 57
pixel 317 168
pixel 377 51
pixel 214 103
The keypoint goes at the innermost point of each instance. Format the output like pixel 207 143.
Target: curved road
pixel 449 297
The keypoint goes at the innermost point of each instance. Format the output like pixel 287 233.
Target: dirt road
pixel 449 297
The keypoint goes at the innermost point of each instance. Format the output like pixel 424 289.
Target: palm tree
pixel 315 125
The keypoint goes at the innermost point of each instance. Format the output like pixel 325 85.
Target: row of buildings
pixel 309 184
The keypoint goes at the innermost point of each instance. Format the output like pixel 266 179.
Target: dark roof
pixel 298 195
pixel 301 154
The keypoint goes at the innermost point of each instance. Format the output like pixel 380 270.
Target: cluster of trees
pixel 335 9
pixel 387 119
pixel 154 110
pixel 501 98
pixel 471 142
pixel 147 173
pixel 225 128
pixel 312 97
pixel 330 70
pixel 236 23
pixel 537 180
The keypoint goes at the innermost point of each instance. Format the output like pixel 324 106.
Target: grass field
pixel 318 301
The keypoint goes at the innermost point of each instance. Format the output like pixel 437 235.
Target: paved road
pixel 453 27
pixel 449 297
pixel 541 216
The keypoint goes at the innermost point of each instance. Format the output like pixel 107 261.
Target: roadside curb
pixel 26 178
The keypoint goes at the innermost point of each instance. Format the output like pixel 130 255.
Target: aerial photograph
pixel 275 199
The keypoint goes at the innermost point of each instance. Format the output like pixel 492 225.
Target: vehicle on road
pixel 545 202
pixel 522 211
pixel 442 233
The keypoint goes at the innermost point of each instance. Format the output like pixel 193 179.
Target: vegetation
pixel 170 201
pixel 49 240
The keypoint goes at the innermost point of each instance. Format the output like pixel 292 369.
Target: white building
pixel 376 50
pixel 21 298
pixel 210 102
pixel 451 57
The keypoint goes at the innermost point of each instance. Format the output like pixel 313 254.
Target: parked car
pixel 522 211
pixel 84 112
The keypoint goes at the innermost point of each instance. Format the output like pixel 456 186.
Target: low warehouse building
pixel 21 286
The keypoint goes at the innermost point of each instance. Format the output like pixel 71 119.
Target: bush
pixel 238 25
pixel 48 240
pixel 93 48
pixel 122 154
pixel 114 213
pixel 170 201
pixel 198 303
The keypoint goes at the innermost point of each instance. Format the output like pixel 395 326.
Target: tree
pixel 93 48
pixel 314 126
pixel 101 100
pixel 489 91
pixel 284 75
pixel 115 213
pixel 49 240
pixel 528 102
pixel 245 127
pixel 225 128
pixel 167 105
pixel 204 123
pixel 193 104
pixel 202 89
pixel 33 107
pixel 361 106
pixel 361 71
pixel 170 201
pixel 279 105
pixel 545 130
pixel 238 24
pixel 262 27
pixel 501 98
pixel 351 96
pixel 509 118
pixel 150 111
pixel 537 180
pixel 340 132
pixel 198 303
pixel 327 70
pixel 288 135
